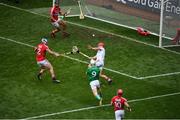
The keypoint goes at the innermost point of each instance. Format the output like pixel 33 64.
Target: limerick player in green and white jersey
pixel 93 74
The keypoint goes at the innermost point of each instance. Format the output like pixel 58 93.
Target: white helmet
pixel 44 40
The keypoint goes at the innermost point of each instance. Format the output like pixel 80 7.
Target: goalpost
pixel 161 23
pixel 160 17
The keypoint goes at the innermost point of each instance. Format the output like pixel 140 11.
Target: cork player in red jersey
pixel 58 22
pixel 119 102
pixel 44 64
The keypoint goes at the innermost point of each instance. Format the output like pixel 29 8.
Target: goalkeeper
pixel 58 22
pixel 93 73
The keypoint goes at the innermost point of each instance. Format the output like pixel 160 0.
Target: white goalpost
pixel 161 23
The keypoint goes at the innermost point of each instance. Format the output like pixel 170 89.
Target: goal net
pixel 132 14
pixel 170 23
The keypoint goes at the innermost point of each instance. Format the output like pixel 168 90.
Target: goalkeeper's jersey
pixel 93 73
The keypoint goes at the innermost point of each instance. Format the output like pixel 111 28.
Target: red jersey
pixel 54 12
pixel 118 103
pixel 41 52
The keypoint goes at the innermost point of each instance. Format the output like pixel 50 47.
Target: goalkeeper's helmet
pixel 44 40
pixel 101 44
pixel 120 92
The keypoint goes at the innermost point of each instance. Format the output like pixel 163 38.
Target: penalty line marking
pixel 108 69
pixel 125 37
pixel 94 107
pixel 92 28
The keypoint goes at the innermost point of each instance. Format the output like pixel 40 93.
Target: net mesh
pixel 73 4
pixel 171 21
pixel 126 12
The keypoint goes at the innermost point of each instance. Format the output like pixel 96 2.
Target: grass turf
pixel 22 95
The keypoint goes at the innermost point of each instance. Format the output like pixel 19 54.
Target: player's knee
pixel 94 90
pixel 51 68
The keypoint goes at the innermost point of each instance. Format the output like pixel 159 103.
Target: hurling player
pixel 93 77
pixel 119 102
pixel 43 63
pixel 57 22
pixel 100 56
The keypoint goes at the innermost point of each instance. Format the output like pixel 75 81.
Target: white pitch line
pixel 94 107
pixel 92 28
pixel 17 42
pixel 124 74
pixel 160 75
pixel 71 58
pixel 125 37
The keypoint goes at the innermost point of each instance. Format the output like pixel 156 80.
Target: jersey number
pixel 118 104
pixel 39 51
pixel 94 74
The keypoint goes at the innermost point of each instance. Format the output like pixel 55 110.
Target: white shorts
pixel 56 24
pixel 100 65
pixel 43 63
pixel 119 114
pixel 95 84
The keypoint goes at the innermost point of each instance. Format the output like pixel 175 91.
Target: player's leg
pixel 56 29
pixel 100 94
pixel 54 32
pixel 104 76
pixel 95 93
pixel 99 91
pixel 42 70
pixel 177 37
pixel 121 114
pixel 64 27
pixel 51 70
pixel 94 86
pixel 100 66
pixel 118 115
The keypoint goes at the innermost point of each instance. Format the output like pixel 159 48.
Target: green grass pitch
pixel 23 96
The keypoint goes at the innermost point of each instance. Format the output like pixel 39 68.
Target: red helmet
pixel 101 44
pixel 120 92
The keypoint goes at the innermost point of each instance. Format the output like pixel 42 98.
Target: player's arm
pixel 93 48
pixel 53 53
pixel 112 102
pixel 127 105
pixel 94 58
pixel 35 49
pixel 62 13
